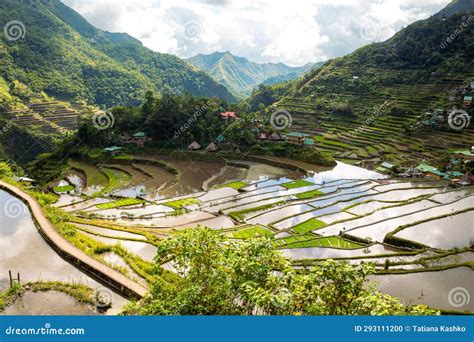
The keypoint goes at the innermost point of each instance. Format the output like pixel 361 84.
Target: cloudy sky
pixel 294 32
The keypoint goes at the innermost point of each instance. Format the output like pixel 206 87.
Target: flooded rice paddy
pixel 24 251
pixel 350 205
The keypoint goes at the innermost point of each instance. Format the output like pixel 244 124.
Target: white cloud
pixel 293 32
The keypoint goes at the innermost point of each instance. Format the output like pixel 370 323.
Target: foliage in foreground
pixel 223 277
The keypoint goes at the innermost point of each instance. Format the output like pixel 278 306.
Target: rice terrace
pixel 196 182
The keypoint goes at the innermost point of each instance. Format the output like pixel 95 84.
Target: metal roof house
pixel 297 138
pixel 113 150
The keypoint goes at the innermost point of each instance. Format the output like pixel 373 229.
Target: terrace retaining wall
pixel 100 272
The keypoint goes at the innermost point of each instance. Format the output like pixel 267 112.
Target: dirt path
pixel 74 255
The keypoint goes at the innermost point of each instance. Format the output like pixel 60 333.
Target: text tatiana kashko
pixel 440 328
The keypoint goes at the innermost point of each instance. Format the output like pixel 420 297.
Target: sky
pixel 294 32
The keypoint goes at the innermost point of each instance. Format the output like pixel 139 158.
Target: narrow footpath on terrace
pixel 75 256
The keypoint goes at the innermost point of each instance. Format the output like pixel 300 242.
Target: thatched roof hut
pixel 212 147
pixel 194 146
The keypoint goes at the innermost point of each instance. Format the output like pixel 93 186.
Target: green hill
pixel 365 106
pixel 240 75
pixel 456 7
pixel 64 56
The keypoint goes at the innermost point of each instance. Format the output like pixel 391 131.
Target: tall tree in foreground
pixel 220 276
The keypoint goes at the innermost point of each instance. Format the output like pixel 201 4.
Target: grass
pixel 307 226
pixel 94 176
pixel 178 204
pixel 9 296
pixel 292 239
pixel 299 183
pixel 308 240
pixel 119 203
pixel 117 179
pixel 62 189
pixel 239 215
pixel 233 185
pixel 252 232
pixel 80 292
pixel 309 194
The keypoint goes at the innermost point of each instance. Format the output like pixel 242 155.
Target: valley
pixel 135 182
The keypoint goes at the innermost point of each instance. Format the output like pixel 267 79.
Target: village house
pixel 194 146
pixel 297 138
pixel 411 172
pixel 113 150
pixel 220 139
pixel 229 115
pixel 464 154
pixel 140 138
pixel 431 171
pixel 274 137
pixel 212 148
pixel 467 101
pixel 24 180
pixel 385 167
pixel 466 180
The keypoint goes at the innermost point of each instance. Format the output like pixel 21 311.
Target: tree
pixel 219 276
pixel 5 170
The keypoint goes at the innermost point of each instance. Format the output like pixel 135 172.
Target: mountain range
pixel 241 76
pixel 58 53
pixel 368 106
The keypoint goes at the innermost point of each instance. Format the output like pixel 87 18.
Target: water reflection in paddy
pixel 276 215
pixel 24 251
pixel 325 253
pixel 378 216
pixel 48 303
pixel 115 260
pixel 447 233
pixel 345 171
pixel 219 222
pixel 145 250
pixel 435 289
pixel 168 221
pixel 110 232
pixel 379 230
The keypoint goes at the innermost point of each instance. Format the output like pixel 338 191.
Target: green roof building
pixel 387 165
pixel 140 135
pixel 297 138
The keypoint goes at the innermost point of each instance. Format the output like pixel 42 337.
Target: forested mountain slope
pixel 366 106
pixel 59 52
pixel 240 75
